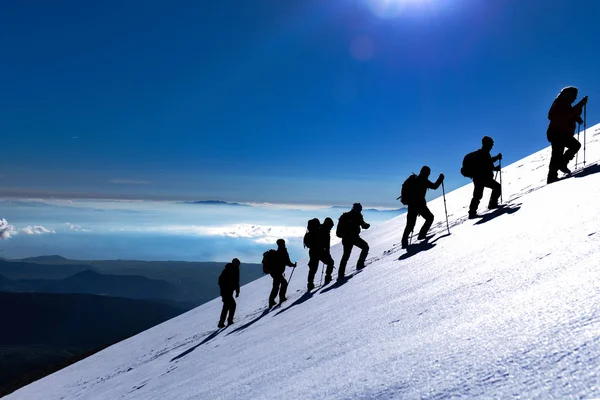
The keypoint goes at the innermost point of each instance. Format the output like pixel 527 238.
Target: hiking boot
pixel 493 206
pixel 340 277
pixel 473 214
pixel 421 236
pixel 564 169
pixel 404 243
pixel 272 303
pixel 359 267
pixel 327 279
pixel 310 286
pixel 282 299
pixel 221 325
pixel 551 179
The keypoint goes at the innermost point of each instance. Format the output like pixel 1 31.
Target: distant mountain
pixel 125 286
pixel 53 259
pixel 216 203
pixel 18 269
pixel 8 285
pixel 195 282
pixel 45 332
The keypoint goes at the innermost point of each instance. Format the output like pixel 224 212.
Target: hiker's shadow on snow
pixel 416 248
pixel 206 340
pixel 339 283
pixel 586 171
pixel 498 212
pixel 246 325
pixel 300 300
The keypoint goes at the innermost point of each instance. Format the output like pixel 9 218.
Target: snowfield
pixel 505 306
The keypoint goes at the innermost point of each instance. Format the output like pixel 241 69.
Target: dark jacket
pixel 282 261
pixel 563 118
pixel 420 189
pixel 229 280
pixel 355 222
pixel 324 238
pixel 484 165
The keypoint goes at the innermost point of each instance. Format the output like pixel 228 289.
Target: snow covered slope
pixel 505 306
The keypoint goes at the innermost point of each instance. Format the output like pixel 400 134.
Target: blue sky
pixel 277 101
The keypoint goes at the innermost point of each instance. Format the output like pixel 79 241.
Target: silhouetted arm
pixel 287 260
pixel 434 186
pixel 362 222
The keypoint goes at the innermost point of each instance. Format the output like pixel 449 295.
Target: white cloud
pixel 6 230
pixel 76 228
pixel 36 230
pixel 261 233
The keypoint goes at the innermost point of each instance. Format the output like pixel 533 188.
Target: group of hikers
pixel 478 165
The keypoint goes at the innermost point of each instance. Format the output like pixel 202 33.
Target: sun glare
pixel 393 8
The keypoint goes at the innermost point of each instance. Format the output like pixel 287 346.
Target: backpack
pixel 343 225
pixel 310 236
pixel 469 165
pixel 408 190
pixel 269 260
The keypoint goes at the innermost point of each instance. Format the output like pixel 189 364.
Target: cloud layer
pixel 7 231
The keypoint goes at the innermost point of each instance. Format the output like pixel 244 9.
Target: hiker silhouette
pixel 479 166
pixel 413 194
pixel 348 229
pixel 229 282
pixel 561 130
pixel 317 239
pixel 277 270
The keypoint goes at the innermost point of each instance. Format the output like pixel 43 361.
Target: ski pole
pixel 584 130
pixel 577 154
pixel 445 208
pixel 500 165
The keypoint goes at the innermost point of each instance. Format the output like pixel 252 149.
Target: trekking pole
pixel 584 130
pixel 292 274
pixel 500 165
pixel 445 208
pixel 577 154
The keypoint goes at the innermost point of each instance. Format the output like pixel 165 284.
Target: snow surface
pixel 506 306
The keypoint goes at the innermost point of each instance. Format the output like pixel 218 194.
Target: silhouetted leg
pixel 276 284
pixel 283 290
pixel 364 246
pixel 496 191
pixel 411 220
pixel 232 309
pixel 573 147
pixel 425 213
pixel 328 261
pixel 556 161
pixel 477 195
pixel 224 309
pixel 347 244
pixel 313 266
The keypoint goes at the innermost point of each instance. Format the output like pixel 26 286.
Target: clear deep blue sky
pixel 278 101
